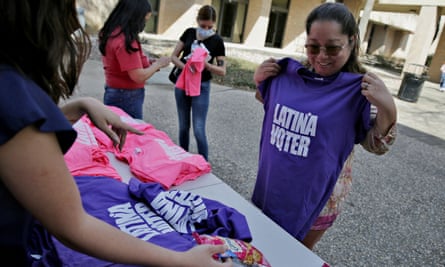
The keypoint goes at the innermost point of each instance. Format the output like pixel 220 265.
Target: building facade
pixel 404 31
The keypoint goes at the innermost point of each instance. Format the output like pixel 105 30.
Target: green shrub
pixel 239 74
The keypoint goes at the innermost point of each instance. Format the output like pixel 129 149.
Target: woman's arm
pixel 384 131
pixel 265 70
pixel 258 96
pixel 219 68
pixel 375 142
pixel 101 116
pixel 176 53
pixel 32 167
pixel 143 74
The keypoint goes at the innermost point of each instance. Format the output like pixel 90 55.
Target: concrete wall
pixel 96 12
pixel 438 59
pixel 423 36
pixel 257 20
pixel 399 46
pixel 176 16
pixel 377 45
pixel 295 33
pixel 407 36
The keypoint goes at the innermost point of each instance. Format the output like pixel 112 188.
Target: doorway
pixel 232 17
pixel 152 23
pixel 277 23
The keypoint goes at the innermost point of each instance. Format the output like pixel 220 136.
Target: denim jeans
pixel 129 100
pixel 197 107
pixel 442 80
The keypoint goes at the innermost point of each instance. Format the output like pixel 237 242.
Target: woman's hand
pixel 265 70
pixel 101 116
pixel 161 62
pixel 220 67
pixel 375 90
pixel 201 255
pixel 141 75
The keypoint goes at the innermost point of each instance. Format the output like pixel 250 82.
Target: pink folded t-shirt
pixel 85 157
pixel 154 157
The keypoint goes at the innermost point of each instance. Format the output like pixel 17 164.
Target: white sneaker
pixel 442 89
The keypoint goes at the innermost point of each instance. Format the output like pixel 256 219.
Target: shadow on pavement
pixel 421 136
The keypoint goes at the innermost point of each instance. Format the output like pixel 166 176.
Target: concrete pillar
pixel 377 45
pixel 389 42
pixel 257 21
pixel 438 58
pixel 176 16
pixel 363 24
pixel 422 39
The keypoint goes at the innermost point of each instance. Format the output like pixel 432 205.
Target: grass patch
pixel 239 74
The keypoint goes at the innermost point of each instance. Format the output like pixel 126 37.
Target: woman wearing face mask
pixel 315 112
pixel 197 106
pixel 125 65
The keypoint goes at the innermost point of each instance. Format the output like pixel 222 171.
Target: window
pixel 231 19
pixel 277 23
pixel 152 23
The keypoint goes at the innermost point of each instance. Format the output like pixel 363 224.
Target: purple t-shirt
pixel 145 211
pixel 23 103
pixel 310 126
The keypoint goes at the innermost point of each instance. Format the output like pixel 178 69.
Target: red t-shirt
pixel 117 62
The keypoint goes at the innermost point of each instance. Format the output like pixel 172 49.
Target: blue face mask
pixel 204 34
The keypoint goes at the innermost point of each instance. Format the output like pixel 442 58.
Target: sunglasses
pixel 330 50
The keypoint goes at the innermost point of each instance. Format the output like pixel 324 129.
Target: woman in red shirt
pixel 125 64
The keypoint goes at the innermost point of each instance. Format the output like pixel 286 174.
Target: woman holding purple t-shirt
pixel 315 113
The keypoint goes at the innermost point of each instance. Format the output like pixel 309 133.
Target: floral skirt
pixel 332 208
pixel 374 143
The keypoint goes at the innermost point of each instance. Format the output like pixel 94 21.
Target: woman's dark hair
pixel 129 16
pixel 206 12
pixel 340 13
pixel 43 40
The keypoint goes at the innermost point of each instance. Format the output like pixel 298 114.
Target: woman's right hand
pixel 140 75
pixel 162 62
pixel 265 70
pixel 202 255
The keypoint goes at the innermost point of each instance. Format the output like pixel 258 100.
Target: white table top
pixel 279 248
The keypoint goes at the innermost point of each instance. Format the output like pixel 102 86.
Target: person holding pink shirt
pixel 442 78
pixel 194 108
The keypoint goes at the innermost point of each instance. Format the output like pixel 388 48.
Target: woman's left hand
pixel 103 118
pixel 375 90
